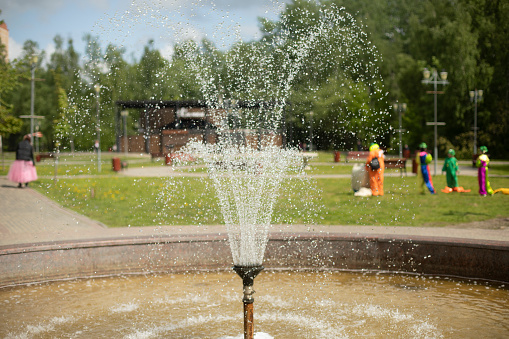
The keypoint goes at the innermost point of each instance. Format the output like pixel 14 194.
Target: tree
pixel 339 79
pixel 489 20
pixel 9 81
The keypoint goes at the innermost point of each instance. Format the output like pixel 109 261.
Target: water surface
pixel 287 305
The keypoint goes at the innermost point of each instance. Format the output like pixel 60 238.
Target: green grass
pixel 121 201
pixel 403 205
pixel 499 169
pixel 324 156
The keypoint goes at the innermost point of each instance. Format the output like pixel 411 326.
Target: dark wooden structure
pixel 166 126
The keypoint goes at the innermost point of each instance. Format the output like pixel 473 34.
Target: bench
pixel 41 156
pixel 356 156
pixel 396 163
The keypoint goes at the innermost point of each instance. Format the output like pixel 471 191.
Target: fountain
pixel 247 177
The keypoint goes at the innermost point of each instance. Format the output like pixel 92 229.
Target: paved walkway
pixel 28 217
pixel 162 171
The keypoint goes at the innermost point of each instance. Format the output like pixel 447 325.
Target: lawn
pixel 121 201
pixel 116 200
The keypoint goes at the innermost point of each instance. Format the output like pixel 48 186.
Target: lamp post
pixel 433 78
pixel 97 88
pixel 37 138
pixel 311 131
pixel 400 108
pixel 124 115
pixel 475 96
pixel 33 64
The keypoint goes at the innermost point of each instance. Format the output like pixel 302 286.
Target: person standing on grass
pixel 451 170
pixel 375 167
pixel 23 170
pixel 482 173
pixel 424 159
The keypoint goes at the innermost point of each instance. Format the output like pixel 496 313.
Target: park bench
pixel 356 156
pixel 41 156
pixel 396 163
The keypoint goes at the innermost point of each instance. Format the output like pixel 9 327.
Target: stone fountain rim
pixel 462 258
pixel 221 237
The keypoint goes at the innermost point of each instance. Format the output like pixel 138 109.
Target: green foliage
pixel 9 81
pixel 339 81
pixel 348 84
pixel 62 126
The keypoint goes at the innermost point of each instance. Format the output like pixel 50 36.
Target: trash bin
pixel 415 165
pixel 116 164
pixel 337 156
pixel 168 158
pixel 474 160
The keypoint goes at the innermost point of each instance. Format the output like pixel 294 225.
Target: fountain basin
pixel 443 256
pixel 289 304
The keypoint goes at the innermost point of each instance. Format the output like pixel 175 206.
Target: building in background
pixel 166 126
pixel 4 39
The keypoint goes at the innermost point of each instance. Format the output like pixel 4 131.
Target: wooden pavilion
pixel 165 126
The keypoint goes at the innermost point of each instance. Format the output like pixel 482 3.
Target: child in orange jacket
pixel 376 167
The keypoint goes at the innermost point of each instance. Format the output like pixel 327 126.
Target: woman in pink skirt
pixel 23 170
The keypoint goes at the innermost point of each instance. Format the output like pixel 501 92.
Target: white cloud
pixel 21 6
pixel 167 52
pixel 15 49
pixel 49 49
pixel 222 5
pixel 132 23
pixel 43 8
pixel 46 7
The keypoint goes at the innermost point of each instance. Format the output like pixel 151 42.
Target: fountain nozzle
pixel 248 273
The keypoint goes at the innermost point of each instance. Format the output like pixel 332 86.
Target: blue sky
pixel 132 23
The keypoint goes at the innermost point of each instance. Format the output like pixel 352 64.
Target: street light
pixel 97 88
pixel 432 77
pixel 311 131
pixel 124 115
pixel 475 96
pixel 400 108
pixel 33 64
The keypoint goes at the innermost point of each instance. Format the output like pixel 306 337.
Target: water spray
pixel 247 274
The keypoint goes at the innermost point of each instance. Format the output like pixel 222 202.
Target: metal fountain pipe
pixel 248 273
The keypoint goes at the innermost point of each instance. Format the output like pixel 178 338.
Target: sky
pixel 132 23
